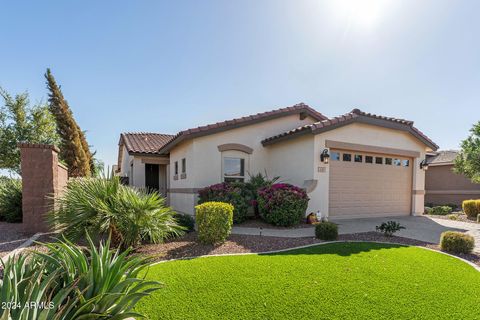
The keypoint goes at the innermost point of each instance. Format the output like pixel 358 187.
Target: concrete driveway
pixel 420 228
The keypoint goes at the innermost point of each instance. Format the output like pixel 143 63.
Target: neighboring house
pixel 370 164
pixel 442 185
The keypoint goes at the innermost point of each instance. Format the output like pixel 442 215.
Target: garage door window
pixel 369 159
pixel 405 163
pixel 396 162
pixel 347 157
pixel 335 156
pixel 358 158
pixel 388 161
pixel 378 160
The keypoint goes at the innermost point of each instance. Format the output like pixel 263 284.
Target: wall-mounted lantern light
pixel 424 165
pixel 324 156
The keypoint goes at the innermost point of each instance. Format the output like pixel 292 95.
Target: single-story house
pixel 354 165
pixel 442 185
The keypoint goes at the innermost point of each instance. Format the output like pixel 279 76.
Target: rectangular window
pixel 335 156
pixel 358 158
pixel 378 160
pixel 347 157
pixel 184 165
pixel 405 163
pixel 176 167
pixel 233 169
pixel 388 161
pixel 396 162
pixel 368 159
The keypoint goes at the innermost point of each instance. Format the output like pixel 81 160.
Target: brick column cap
pixel 38 145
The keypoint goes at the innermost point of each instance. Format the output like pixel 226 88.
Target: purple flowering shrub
pixel 282 204
pixel 228 192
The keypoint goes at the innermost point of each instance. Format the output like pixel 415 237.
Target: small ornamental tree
pixel 468 159
pixel 22 122
pixel 282 204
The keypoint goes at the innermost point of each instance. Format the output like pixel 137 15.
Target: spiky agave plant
pixel 71 283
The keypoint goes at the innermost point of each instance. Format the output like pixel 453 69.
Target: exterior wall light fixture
pixel 324 156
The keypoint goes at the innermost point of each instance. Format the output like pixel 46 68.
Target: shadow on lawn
pixel 340 248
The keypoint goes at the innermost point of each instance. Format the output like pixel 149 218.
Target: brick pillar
pixel 43 178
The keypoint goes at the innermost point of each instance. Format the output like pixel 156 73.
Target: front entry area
pixel 369 184
pixel 155 177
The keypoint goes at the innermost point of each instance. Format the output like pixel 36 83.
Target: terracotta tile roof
pixel 443 157
pixel 239 122
pixel 353 116
pixel 144 142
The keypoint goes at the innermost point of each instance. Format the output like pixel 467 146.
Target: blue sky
pixel 166 66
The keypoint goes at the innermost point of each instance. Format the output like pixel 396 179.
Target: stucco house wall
pixel 204 160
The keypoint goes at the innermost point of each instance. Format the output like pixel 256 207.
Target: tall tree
pixel 468 160
pixel 20 122
pixel 74 149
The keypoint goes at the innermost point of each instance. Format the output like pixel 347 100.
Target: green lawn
pixel 335 281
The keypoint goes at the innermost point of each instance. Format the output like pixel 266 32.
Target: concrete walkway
pixel 419 228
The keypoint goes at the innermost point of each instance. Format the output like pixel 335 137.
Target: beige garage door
pixel 365 184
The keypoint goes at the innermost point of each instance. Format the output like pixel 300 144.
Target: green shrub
pixel 235 193
pixel 452 205
pixel 471 208
pixel 457 242
pixel 441 210
pixel 214 221
pixel 11 200
pixel 452 216
pixel 389 228
pixel 282 204
pixel 101 206
pixel 186 221
pixel 96 283
pixel 427 210
pixel 326 231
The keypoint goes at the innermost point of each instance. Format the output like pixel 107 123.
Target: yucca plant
pixel 104 206
pixel 71 283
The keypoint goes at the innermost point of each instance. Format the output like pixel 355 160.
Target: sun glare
pixel 361 13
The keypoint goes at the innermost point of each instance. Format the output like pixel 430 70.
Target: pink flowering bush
pixel 234 193
pixel 282 204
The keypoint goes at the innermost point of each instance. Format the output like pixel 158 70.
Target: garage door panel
pixel 359 188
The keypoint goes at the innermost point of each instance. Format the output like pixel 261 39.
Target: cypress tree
pixel 72 148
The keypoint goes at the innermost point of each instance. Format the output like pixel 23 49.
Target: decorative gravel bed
pixel 11 236
pixel 460 216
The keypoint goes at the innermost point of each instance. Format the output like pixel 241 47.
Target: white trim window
pixel 233 169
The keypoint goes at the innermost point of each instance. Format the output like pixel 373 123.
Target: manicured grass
pixel 334 281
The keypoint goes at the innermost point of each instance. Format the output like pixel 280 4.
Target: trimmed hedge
pixel 282 204
pixel 326 231
pixel 11 200
pixel 214 221
pixel 471 208
pixel 234 193
pixel 457 242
